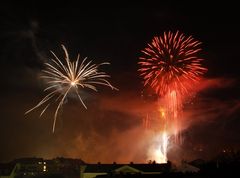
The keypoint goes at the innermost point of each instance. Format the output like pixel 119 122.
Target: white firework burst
pixel 68 77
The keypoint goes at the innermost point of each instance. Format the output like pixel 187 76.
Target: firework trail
pixel 170 65
pixel 68 77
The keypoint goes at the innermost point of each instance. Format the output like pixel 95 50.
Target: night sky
pixel 111 128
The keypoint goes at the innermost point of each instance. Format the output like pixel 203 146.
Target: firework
pixel 171 63
pixel 170 66
pixel 65 77
pixel 158 149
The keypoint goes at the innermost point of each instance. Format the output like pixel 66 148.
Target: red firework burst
pixel 170 62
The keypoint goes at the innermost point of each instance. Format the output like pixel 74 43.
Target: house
pixel 187 168
pixel 30 166
pixel 7 170
pixel 39 167
pixel 93 170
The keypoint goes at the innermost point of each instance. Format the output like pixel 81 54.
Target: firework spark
pixel 68 77
pixel 171 63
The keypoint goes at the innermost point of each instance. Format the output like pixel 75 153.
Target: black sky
pixel 117 34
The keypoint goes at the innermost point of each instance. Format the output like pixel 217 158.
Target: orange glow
pixel 162 113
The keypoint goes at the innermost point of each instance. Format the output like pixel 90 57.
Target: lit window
pixel 44 168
